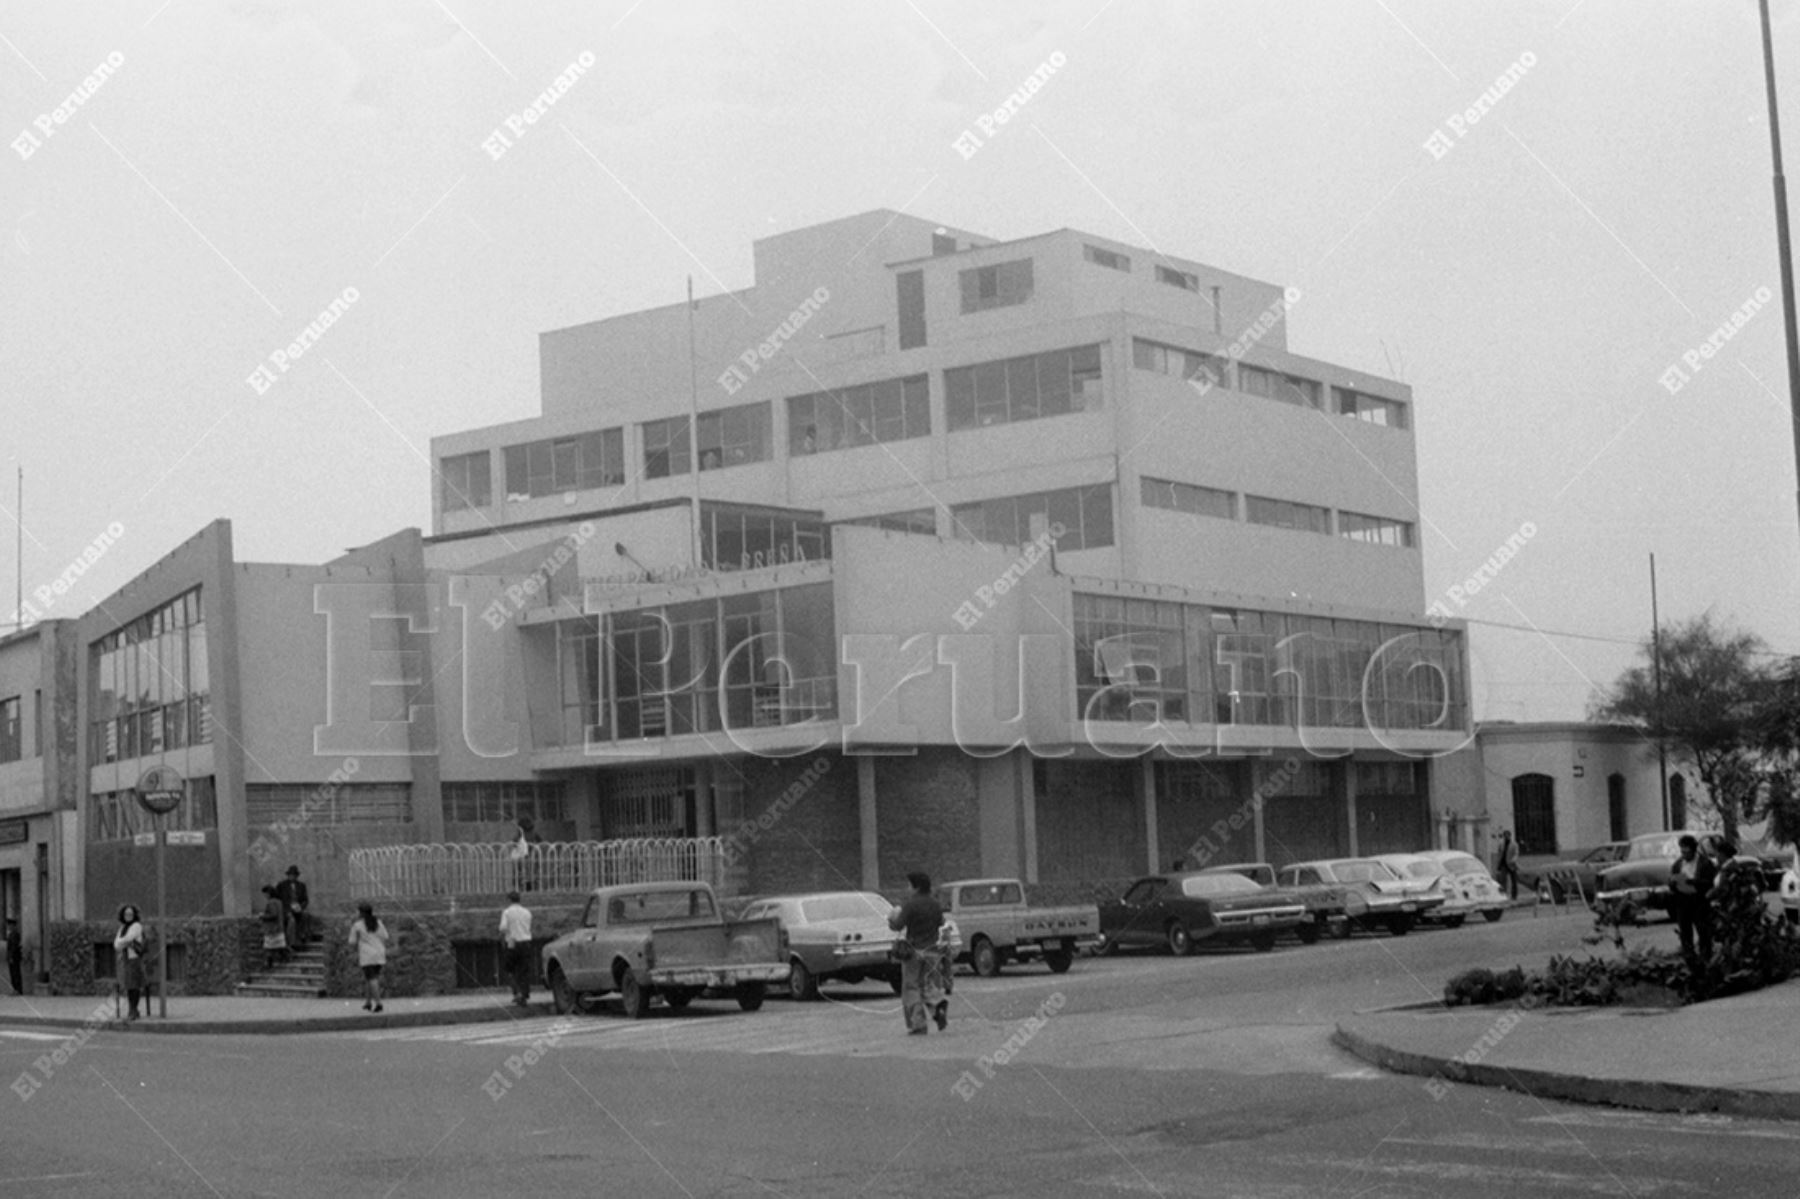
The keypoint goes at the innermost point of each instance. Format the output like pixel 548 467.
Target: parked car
pixel 663 940
pixel 1554 881
pixel 1475 886
pixel 1374 896
pixel 1179 910
pixel 1325 906
pixel 999 927
pixel 832 936
pixel 1643 876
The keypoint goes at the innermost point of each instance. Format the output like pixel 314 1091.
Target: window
pixel 917 520
pixel 997 286
pixel 1274 385
pixel 1386 778
pixel 734 436
pixel 1175 278
pixel 466 481
pixel 1187 497
pixel 1084 512
pixel 562 464
pixel 1373 409
pixel 909 287
pixel 1534 813
pixel 1378 530
pixel 1049 384
pixel 150 685
pixel 891 410
pixel 328 803
pixel 1106 258
pixel 1183 364
pixel 743 538
pixel 1285 514
pixel 668 448
pixel 117 815
pixel 504 802
pixel 1131 661
pixel 12 746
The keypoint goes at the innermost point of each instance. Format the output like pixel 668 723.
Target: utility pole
pixel 1782 247
pixel 1662 755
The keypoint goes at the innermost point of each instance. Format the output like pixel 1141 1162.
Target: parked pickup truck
pixel 998 927
pixel 1325 906
pixel 667 940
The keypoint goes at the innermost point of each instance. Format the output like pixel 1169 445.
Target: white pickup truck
pixel 998 927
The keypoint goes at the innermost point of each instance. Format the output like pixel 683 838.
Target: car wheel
pixel 1308 932
pixel 635 996
pixel 1492 915
pixel 803 983
pixel 1342 929
pixel 1455 921
pixel 562 996
pixel 984 958
pixel 1180 943
pixel 678 999
pixel 1399 926
pixel 1108 947
pixel 1263 941
pixel 750 996
pixel 1059 960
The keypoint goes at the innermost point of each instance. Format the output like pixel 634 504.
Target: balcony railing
pixel 423 871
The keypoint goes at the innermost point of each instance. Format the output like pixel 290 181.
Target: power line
pixel 1631 641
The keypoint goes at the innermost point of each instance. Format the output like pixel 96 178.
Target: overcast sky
pixel 1532 279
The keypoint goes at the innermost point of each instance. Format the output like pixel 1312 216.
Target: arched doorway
pixel 1615 806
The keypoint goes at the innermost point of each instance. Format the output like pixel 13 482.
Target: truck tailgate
pixel 1071 921
pixel 735 943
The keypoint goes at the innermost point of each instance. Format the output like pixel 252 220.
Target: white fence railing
pixel 422 871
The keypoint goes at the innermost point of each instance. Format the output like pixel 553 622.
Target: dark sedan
pixel 1643 877
pixel 1179 910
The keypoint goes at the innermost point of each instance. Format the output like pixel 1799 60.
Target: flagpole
pixel 694 424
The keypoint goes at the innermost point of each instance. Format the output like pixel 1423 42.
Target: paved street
pixel 1211 1076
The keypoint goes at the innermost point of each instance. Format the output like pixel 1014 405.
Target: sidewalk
pixel 1730 1055
pixel 233 1014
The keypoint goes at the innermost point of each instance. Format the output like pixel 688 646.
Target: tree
pixel 1708 714
pixel 1777 734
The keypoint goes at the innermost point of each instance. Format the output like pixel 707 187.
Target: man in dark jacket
pixel 1690 879
pixel 918 920
pixel 15 956
pixel 292 893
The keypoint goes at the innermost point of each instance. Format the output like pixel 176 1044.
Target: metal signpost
pixel 160 791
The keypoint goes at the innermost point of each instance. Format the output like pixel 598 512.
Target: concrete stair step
pixel 254 990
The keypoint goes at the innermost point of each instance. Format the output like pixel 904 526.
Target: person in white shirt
pixel 515 946
pixel 369 937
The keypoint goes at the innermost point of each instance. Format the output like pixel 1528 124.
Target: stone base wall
pixel 421 958
pixel 220 952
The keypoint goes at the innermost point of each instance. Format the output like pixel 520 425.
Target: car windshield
pixel 1362 872
pixel 1464 864
pixel 1657 847
pixel 843 907
pixel 1202 885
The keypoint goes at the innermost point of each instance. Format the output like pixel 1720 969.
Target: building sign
pixel 14 832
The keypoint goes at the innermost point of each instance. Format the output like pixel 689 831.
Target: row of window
pixel 1280 514
pixel 1113 260
pixel 1085 514
pixel 117 815
pixel 1142 660
pixel 325 803
pixel 1266 382
pixel 151 684
pixel 494 802
pixel 1052 383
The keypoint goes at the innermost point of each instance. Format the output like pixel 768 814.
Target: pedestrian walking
pixel 918 921
pixel 515 947
pixel 1690 880
pixel 15 957
pixel 295 900
pixel 369 937
pixel 128 947
pixel 1506 863
pixel 274 924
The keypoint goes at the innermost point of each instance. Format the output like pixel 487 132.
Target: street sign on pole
pixel 160 791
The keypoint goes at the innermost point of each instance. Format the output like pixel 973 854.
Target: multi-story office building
pixel 1043 557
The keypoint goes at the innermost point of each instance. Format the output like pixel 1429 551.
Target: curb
pixel 282 1027
pixel 1641 1094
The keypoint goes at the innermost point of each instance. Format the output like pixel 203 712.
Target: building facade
pixel 1043 558
pixel 40 850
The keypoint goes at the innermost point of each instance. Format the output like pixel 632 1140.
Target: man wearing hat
pixel 515 947
pixel 292 893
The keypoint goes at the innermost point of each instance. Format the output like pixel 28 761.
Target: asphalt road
pixel 1149 1075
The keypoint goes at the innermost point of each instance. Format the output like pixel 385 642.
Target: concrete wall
pixel 1559 750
